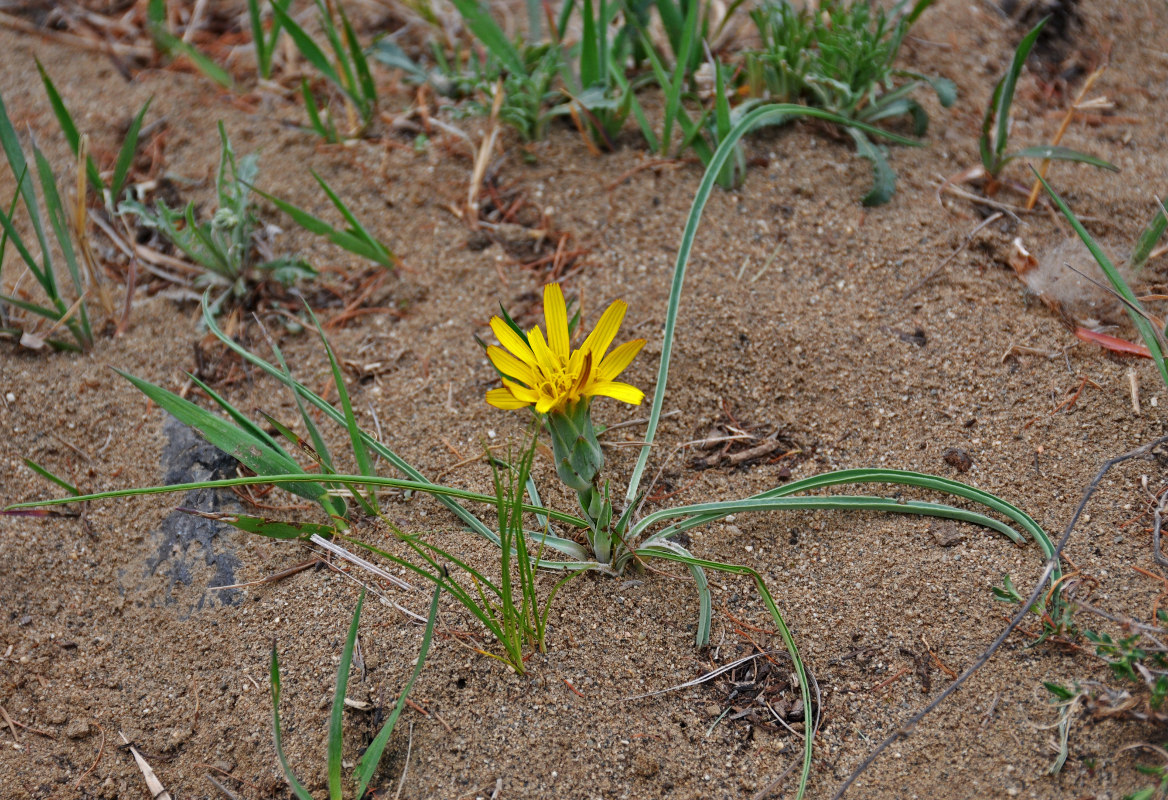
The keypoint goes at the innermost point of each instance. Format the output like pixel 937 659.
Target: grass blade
pixel 336 718
pixel 1003 99
pixel 253 452
pixel 274 679
pixel 360 452
pixel 1058 153
pixel 809 728
pixel 68 127
pixel 1143 249
pixel 469 519
pixel 44 473
pixel 1131 302
pixel 171 45
pixel 311 50
pixel 292 478
pixel 372 757
pixel 479 22
pixel 126 154
pixel 768 114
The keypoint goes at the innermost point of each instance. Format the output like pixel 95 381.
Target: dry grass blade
pixel 342 553
pixel 157 790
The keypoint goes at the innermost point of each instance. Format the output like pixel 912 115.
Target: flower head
pixel 548 374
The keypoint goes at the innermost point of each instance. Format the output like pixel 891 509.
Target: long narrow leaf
pixel 68 127
pixel 759 116
pixel 336 718
pixel 290 776
pixel 1147 332
pixel 126 154
pixel 372 756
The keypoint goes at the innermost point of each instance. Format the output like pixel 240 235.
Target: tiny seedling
pixel 265 43
pixel 355 238
pixel 347 69
pixel 171 45
pixel 223 245
pixel 995 126
pixel 109 192
pixel 70 316
pixel 371 757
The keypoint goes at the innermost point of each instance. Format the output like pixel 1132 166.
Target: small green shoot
pixel 371 758
pixel 347 69
pixel 223 245
pixel 111 192
pixel 355 238
pixel 71 315
pixel 265 43
pixel 1146 244
pixel 995 126
pixel 173 46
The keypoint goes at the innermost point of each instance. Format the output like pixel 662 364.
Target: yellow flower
pixel 549 374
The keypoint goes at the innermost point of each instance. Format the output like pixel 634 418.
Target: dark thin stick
pixel 909 292
pixel 1157 553
pixel 773 786
pixel 905 729
pixel 96 761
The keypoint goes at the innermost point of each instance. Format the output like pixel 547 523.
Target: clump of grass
pixel 109 191
pixel 223 245
pixel 371 757
pixel 69 316
pixel 995 128
pixel 347 70
pixel 841 58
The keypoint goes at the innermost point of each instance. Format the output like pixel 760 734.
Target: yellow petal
pixel 544 359
pixel 522 393
pixel 555 313
pixel 618 391
pixel 501 398
pixel 545 404
pixel 605 330
pixel 615 362
pixel 511 340
pixel 511 366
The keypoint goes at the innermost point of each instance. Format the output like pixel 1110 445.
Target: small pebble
pixel 11 398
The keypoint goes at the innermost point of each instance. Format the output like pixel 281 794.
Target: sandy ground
pixel 110 623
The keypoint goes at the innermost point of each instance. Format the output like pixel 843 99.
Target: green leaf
pixel 479 22
pixel 271 529
pixel 1132 303
pixel 1056 153
pixel 1003 99
pixel 274 679
pixel 1143 249
pixel 172 45
pixel 884 179
pixel 68 127
pixel 253 452
pixel 311 51
pixel 1061 692
pixel 126 154
pixel 336 718
pixel 372 756
pixel 44 473
pixel 360 451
